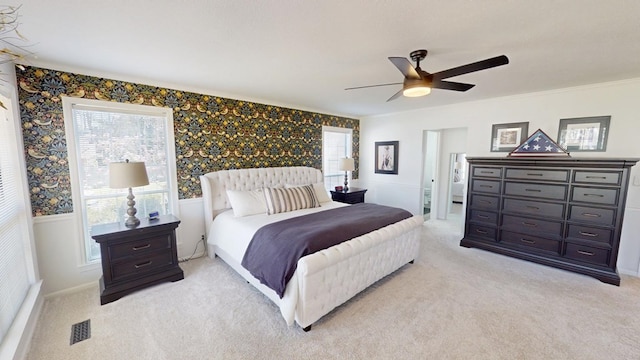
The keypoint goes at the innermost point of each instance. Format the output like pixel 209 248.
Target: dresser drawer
pixel 484 217
pixel 537 175
pixel 531 226
pixel 138 266
pixel 484 202
pixel 588 254
pixel 596 177
pixel 591 215
pixel 530 242
pixel 534 208
pixel 140 247
pixel 595 195
pixel 544 191
pixel 482 232
pixel 485 186
pixel 589 233
pixel 487 172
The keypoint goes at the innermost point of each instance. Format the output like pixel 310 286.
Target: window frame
pixel 348 152
pixel 79 212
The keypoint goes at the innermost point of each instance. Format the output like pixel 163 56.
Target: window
pixel 99 133
pixel 336 144
pixel 15 274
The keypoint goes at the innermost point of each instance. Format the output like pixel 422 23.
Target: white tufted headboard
pixel 215 184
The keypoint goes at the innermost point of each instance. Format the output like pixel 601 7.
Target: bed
pixel 323 280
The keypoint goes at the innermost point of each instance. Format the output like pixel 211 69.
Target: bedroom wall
pixel 211 133
pixel 542 110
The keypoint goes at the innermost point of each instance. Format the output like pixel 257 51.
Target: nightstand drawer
pixel 137 266
pixel 531 242
pixel 555 192
pixel 140 247
pixel 534 208
pixel 590 233
pixel 591 215
pixel 588 254
pixel 538 174
pixel 599 196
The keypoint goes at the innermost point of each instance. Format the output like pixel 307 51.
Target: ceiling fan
pixel 418 82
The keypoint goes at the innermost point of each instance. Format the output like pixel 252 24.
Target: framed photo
pixel 507 137
pixel 584 134
pixel 386 157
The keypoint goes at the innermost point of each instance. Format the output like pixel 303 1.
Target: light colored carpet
pixel 452 303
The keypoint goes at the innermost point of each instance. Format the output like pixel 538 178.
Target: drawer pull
pixel 486 172
pixel 481 231
pixel 535 174
pixel 486 202
pixel 482 216
pixel 146 263
pixel 527 241
pixel 588 234
pixel 533 190
pixel 596 195
pixel 487 186
pixel 587 253
pixel 595 177
pixel 590 215
pixel 533 207
pixel 141 247
pixel 529 224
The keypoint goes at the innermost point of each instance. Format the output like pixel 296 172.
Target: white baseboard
pixel 15 344
pixel 72 290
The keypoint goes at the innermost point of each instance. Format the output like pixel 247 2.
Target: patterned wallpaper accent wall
pixel 211 133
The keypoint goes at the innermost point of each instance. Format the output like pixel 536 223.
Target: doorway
pixel 431 140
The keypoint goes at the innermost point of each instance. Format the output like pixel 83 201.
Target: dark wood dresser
pixel 134 258
pixel 562 212
pixel 351 196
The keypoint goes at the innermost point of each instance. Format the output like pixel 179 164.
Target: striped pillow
pixel 279 200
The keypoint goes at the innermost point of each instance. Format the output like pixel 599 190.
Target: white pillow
pixel 279 200
pixel 321 192
pixel 245 203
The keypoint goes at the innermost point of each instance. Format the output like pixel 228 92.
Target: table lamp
pixel 346 164
pixel 127 175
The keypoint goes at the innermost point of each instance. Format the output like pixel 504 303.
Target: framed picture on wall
pixel 506 137
pixel 584 134
pixel 386 157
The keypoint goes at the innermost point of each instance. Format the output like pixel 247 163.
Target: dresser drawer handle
pixel 587 253
pixel 146 263
pixel 482 231
pixel 533 190
pixel 487 186
pixel 535 174
pixel 527 241
pixel 486 202
pixel 141 247
pixel 486 172
pixel 596 177
pixel 596 195
pixel 533 207
pixel 588 234
pixel 591 215
pixel 529 224
pixel 482 216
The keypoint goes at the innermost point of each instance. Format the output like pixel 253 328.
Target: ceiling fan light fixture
pixel 416 91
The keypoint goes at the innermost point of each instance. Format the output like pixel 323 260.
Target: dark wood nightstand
pixel 352 196
pixel 134 258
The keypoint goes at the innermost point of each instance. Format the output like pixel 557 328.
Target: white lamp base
pixel 132 220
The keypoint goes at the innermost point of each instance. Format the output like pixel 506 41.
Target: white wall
pixel 542 110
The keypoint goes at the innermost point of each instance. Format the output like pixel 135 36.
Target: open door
pixel 431 146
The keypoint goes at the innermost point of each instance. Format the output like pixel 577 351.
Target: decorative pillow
pixel 321 193
pixel 245 203
pixel 279 200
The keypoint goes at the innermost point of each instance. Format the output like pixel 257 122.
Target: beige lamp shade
pixel 127 174
pixel 346 164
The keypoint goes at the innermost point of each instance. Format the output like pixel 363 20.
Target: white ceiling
pixel 302 54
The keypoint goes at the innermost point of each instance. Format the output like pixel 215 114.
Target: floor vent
pixel 80 331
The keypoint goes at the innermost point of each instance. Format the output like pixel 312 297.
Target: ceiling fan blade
pixel 396 95
pixel 450 85
pixel 405 67
pixel 368 86
pixel 476 66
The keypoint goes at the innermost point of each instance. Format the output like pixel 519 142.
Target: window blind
pixel 14 278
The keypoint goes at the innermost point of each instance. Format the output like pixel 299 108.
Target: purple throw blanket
pixel 273 253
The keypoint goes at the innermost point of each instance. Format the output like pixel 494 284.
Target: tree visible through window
pixel 336 144
pixel 102 135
